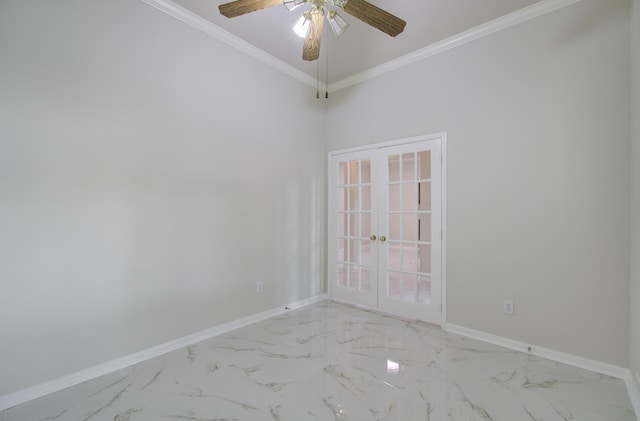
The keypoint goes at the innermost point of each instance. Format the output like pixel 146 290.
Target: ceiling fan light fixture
pixel 292 4
pixel 337 23
pixel 301 28
pixel 338 3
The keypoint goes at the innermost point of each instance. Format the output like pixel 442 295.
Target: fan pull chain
pixel 326 70
pixel 318 78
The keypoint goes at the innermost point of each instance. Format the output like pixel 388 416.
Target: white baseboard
pixel 37 391
pixel 631 379
pixel 633 386
pixel 558 356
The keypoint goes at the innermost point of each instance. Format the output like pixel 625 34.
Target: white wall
pixel 149 176
pixel 635 194
pixel 538 122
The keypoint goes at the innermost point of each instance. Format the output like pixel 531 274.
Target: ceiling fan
pixel 310 23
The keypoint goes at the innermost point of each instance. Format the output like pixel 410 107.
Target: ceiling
pixel 361 47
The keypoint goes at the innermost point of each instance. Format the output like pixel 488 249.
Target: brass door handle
pixel 373 238
pixel 383 238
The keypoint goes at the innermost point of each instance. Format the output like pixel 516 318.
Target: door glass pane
pixel 424 224
pixel 354 172
pixel 410 197
pixel 365 171
pixel 354 277
pixel 394 168
pixel 410 227
pixel 394 226
pixel 354 198
pixel 366 198
pixel 354 225
pixel 424 195
pixel 394 197
pixel 393 256
pixel 342 251
pixel 424 258
pixel 354 251
pixel 342 275
pixel 424 165
pixel 365 253
pixel 365 225
pixel 409 257
pixel 424 289
pixel 408 167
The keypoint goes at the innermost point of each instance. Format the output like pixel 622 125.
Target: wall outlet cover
pixel 507 307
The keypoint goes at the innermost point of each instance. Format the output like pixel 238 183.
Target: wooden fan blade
pixel 240 7
pixel 374 16
pixel 311 49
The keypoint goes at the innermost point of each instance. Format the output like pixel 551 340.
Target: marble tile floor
pixel 332 362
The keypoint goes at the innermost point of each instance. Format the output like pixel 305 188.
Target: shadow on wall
pixel 301 230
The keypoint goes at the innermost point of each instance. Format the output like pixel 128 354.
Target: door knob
pixel 373 238
pixel 383 238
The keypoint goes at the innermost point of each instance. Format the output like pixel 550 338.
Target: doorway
pixel 386 227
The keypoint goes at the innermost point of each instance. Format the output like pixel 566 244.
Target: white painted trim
pixel 557 356
pixel 34 392
pixel 633 386
pixel 531 12
pixel 443 226
pixel 396 142
pixel 331 248
pixel 209 28
pixel 442 137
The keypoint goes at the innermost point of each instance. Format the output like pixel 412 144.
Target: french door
pixel 385 222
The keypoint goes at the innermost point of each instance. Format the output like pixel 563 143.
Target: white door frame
pixel 442 136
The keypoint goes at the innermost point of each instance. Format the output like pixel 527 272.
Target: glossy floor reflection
pixel 333 362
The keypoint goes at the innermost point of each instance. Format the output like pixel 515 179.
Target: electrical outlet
pixel 258 287
pixel 507 307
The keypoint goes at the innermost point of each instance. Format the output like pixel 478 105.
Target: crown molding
pixel 507 21
pixel 540 8
pixel 175 10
